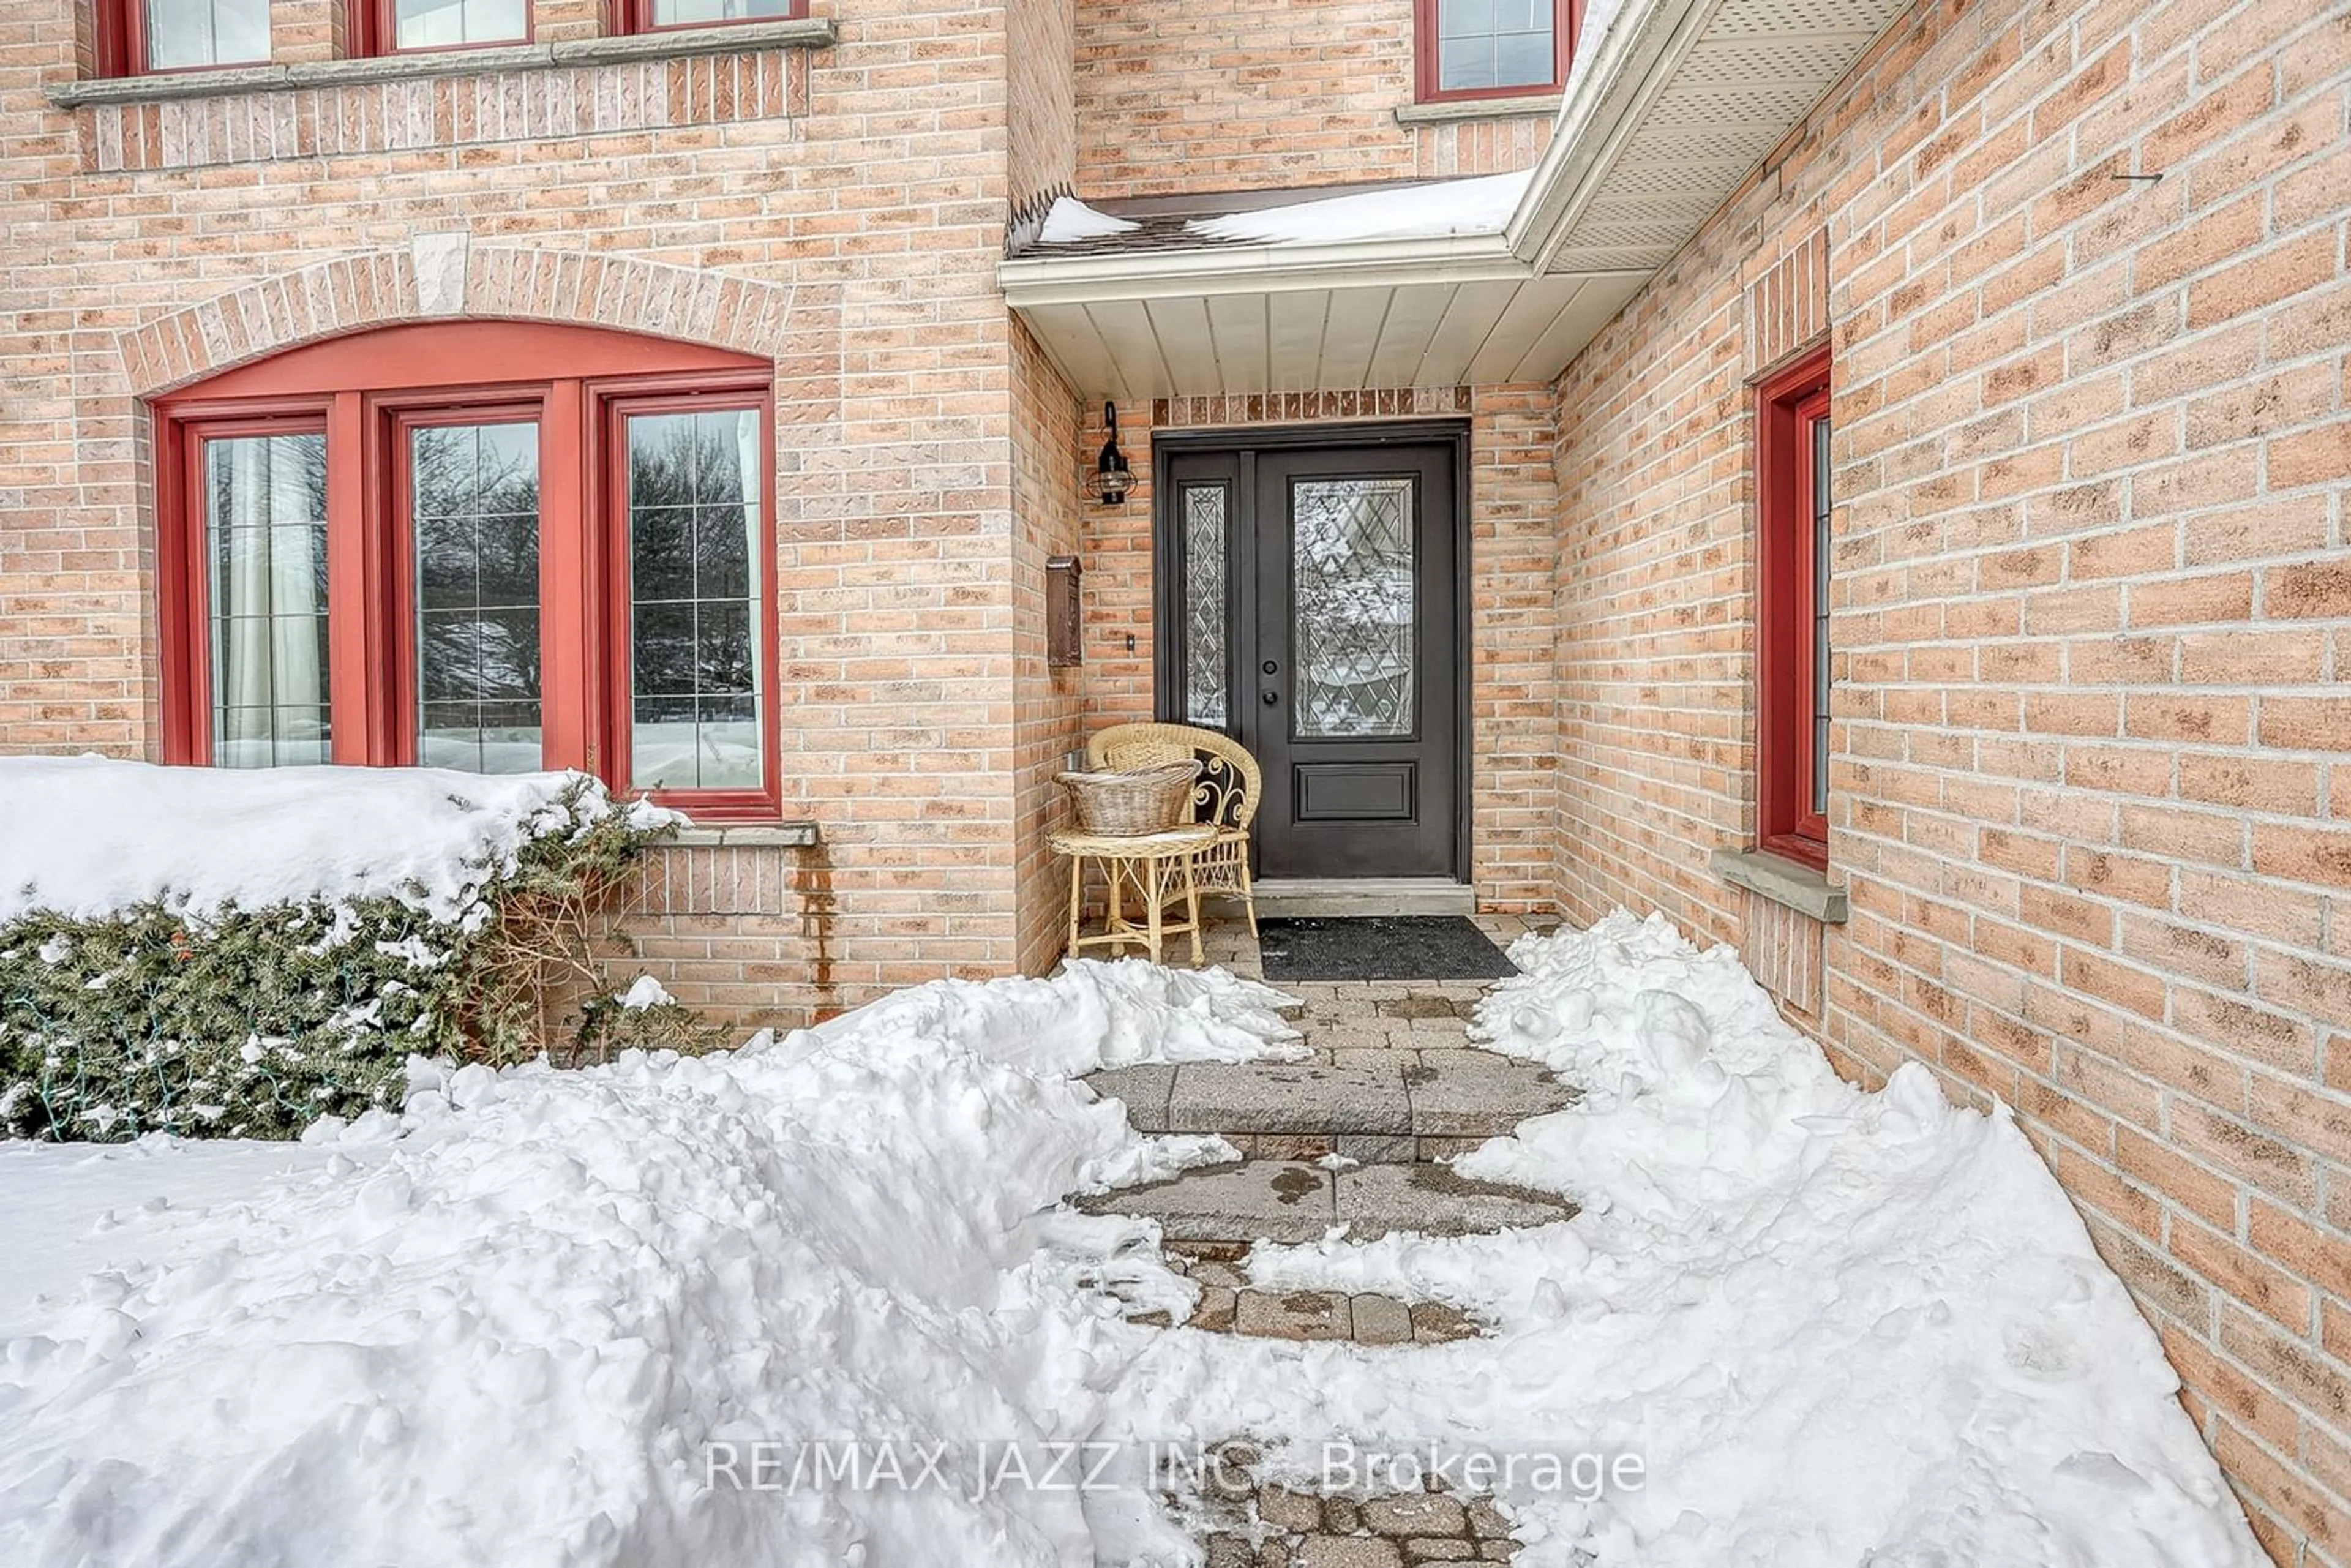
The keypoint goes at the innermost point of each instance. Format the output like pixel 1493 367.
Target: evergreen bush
pixel 253 1023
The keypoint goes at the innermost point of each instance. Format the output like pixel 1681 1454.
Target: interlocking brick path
pixel 1229 1305
pixel 1412 1029
pixel 1268 1525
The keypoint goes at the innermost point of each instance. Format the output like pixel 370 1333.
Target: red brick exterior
pixel 2091 608
pixel 2092 605
pixel 1175 97
pixel 840 211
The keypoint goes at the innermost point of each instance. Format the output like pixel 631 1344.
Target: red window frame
pixel 619 402
pixel 637 17
pixel 1567 24
pixel 120 37
pixel 371 26
pixel 1790 404
pixel 365 392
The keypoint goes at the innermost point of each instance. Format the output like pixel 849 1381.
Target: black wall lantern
pixel 1112 479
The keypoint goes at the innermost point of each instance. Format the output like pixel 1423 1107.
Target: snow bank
pixel 1837 1327
pixel 88 836
pixel 73 1209
pixel 505 1338
pixel 1479 205
pixel 1068 220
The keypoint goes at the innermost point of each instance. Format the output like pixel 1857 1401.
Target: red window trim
pixel 1787 403
pixel 614 404
pixel 120 36
pixel 637 17
pixel 1567 24
pixel 364 391
pixel 371 26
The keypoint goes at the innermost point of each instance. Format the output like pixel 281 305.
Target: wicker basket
pixel 1130 805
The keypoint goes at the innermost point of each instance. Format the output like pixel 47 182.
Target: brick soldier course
pixel 2081 269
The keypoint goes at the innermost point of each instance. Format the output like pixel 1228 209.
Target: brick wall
pixel 2091 612
pixel 1052 719
pixel 1041 103
pixel 1512 542
pixel 839 210
pixel 1228 96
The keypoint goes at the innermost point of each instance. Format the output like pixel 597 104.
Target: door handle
pixel 1269 697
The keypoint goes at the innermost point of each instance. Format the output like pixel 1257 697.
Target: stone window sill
pixel 1781 881
pixel 736 38
pixel 765 836
pixel 1478 109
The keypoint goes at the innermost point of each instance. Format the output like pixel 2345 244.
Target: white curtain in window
pixel 269 690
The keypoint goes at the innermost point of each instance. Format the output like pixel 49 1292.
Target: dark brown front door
pixel 1315 613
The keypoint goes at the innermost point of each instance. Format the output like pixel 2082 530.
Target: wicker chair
pixel 1227 796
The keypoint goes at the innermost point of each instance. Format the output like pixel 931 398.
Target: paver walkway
pixel 1357 1134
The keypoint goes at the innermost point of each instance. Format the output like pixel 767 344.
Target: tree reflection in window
pixel 694 514
pixel 473 504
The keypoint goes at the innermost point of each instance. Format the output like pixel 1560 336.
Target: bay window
pixel 563 560
pixel 1793 555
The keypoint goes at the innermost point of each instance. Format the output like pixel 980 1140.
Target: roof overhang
pixel 1665 117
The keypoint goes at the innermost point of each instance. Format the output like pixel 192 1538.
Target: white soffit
pixel 1323 339
pixel 1681 100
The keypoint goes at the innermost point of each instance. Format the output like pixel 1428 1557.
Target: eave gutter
pixel 1636 57
pixel 1257 270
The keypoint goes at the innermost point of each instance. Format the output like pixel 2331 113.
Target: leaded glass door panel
pixel 1313 614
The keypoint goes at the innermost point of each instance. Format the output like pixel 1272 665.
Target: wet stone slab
pixel 1143 1090
pixel 1477 1094
pixel 1305 1097
pixel 1280 1200
pixel 1430 1200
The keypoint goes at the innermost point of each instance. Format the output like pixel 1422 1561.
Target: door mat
pixel 1379 948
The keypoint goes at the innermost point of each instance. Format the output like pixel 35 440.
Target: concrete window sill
pixel 765 836
pixel 1781 881
pixel 1478 109
pixel 737 38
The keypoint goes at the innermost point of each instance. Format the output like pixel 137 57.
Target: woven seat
pixel 1226 798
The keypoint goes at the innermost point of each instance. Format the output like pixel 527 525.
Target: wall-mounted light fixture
pixel 1112 479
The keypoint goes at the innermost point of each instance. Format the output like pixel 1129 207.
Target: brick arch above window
pixel 441 276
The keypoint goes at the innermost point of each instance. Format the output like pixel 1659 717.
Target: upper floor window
pixel 139 35
pixel 650 16
pixel 1493 48
pixel 489 547
pixel 390 26
pixel 1793 552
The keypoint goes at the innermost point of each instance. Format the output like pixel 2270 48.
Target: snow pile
pixel 1835 1327
pixel 90 836
pixel 1070 220
pixel 73 1209
pixel 646 992
pixel 503 1338
pixel 1479 205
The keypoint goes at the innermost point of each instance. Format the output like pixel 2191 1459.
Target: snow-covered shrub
pixel 259 975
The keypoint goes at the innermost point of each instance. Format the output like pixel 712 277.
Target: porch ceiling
pixel 1419 333
pixel 1664 118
